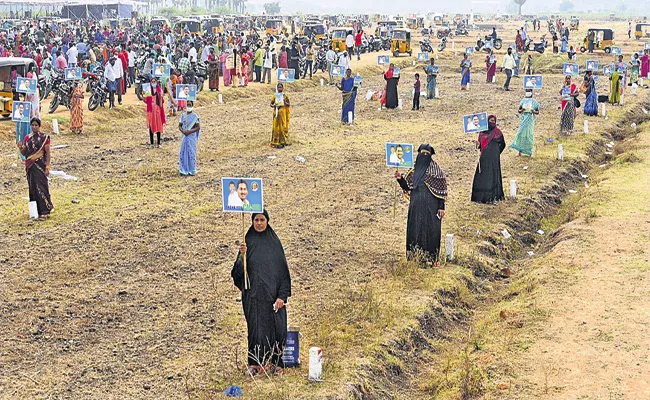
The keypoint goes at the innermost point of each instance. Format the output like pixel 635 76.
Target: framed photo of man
pixel 26 85
pixel 186 92
pixel 571 69
pixel 399 155
pixel 286 75
pixel 21 111
pixel 474 123
pixel 242 195
pixel 533 81
pixel 161 70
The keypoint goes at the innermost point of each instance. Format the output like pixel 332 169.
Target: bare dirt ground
pixel 125 292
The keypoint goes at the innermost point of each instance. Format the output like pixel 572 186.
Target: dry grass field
pixel 125 292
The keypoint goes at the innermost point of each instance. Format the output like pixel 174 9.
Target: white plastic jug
pixel 33 210
pixel 315 364
pixel 513 189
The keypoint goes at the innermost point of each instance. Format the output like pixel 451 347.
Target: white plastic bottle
pixel 315 364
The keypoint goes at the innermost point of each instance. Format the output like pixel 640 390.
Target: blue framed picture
pixel 186 92
pixel 161 70
pixel 616 50
pixel 242 195
pixel 399 155
pixel 621 70
pixel 73 74
pixel 533 81
pixel 396 72
pixel 473 123
pixel 591 65
pixel 566 93
pixel 279 99
pixel 434 68
pixel 608 69
pixel 26 85
pixel 20 111
pixel 571 69
pixel 287 75
pixel 423 56
pixel 469 50
pixel 383 60
pixel 337 70
pixel 357 81
pixel 646 45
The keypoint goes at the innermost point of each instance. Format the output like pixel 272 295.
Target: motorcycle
pixel 443 44
pixel 98 90
pixel 139 81
pixel 445 32
pixel 321 61
pixel 539 47
pixel 385 43
pixel 374 44
pixel 425 46
pixel 62 91
pixel 461 31
pixel 495 44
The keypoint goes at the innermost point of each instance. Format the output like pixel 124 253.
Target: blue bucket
pixel 291 354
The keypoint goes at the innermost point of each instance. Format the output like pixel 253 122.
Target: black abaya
pixel 269 279
pixel 488 182
pixel 391 92
pixel 294 62
pixel 423 226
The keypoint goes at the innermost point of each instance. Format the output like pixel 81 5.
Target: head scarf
pixel 428 172
pixel 487 136
pixel 264 213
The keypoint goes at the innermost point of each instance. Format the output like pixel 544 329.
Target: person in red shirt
pixel 39 60
pixel 124 57
pixel 357 43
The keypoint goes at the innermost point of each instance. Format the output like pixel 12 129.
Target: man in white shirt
pixel 72 55
pixel 268 64
pixel 192 54
pixel 508 64
pixel 132 57
pixel 112 71
pixel 206 52
pixel 330 56
pixel 233 200
pixel 349 44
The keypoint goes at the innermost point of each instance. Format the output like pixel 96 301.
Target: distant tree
pixel 272 8
pixel 169 12
pixel 566 5
pixel 520 3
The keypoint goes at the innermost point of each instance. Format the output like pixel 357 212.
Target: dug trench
pixel 418 362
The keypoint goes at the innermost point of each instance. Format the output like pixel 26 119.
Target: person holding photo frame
pixel 591 103
pixel 190 127
pixel 525 138
pixel 432 75
pixel 349 96
pixel 490 66
pixel 568 116
pixel 155 111
pixel 281 119
pixel 392 81
pixel 38 157
pixel 465 76
pixel 487 187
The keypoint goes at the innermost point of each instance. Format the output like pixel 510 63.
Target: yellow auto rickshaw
pixel 575 24
pixel 275 26
pixel 412 23
pixel 213 25
pixel 23 66
pixel 642 31
pixel 315 32
pixel 188 24
pixel 338 38
pixel 400 43
pixel 603 39
pixel 384 28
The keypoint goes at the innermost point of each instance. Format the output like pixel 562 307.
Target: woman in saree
pixel 213 71
pixel 432 76
pixel 615 88
pixel 525 137
pixel 190 127
pixel 519 42
pixel 349 96
pixel 465 65
pixel 645 64
pixel 281 118
pixel 391 87
pixel 591 104
pixel 426 187
pixel 224 59
pixel 245 64
pixel 487 187
pixel 36 150
pixel 251 65
pixel 76 109
pixel 621 66
pixel 569 93
pixel 490 66
pixel 635 67
pixel 155 111
pixel 265 287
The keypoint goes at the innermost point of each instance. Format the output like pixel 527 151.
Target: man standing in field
pixel 508 64
pixel 357 43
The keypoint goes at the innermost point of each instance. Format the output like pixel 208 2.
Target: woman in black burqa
pixel 426 187
pixel 264 301
pixel 488 185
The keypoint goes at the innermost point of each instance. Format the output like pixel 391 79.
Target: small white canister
pixel 33 210
pixel 315 364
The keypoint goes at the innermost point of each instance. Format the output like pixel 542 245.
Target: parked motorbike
pixel 321 61
pixel 461 30
pixel 385 43
pixel 495 44
pixel 98 90
pixel 443 44
pixel 375 43
pixel 425 46
pixel 62 91
pixel 445 32
pixel 539 47
pixel 139 81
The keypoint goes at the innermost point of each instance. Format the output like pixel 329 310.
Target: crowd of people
pixel 260 270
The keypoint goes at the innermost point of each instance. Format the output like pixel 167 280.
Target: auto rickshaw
pixel 384 28
pixel 23 65
pixel 400 43
pixel 275 26
pixel 315 31
pixel 159 22
pixel 338 38
pixel 641 31
pixel 575 24
pixel 213 25
pixel 603 40
pixel 412 23
pixel 192 26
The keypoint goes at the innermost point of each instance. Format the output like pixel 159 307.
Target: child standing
pixel 416 93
